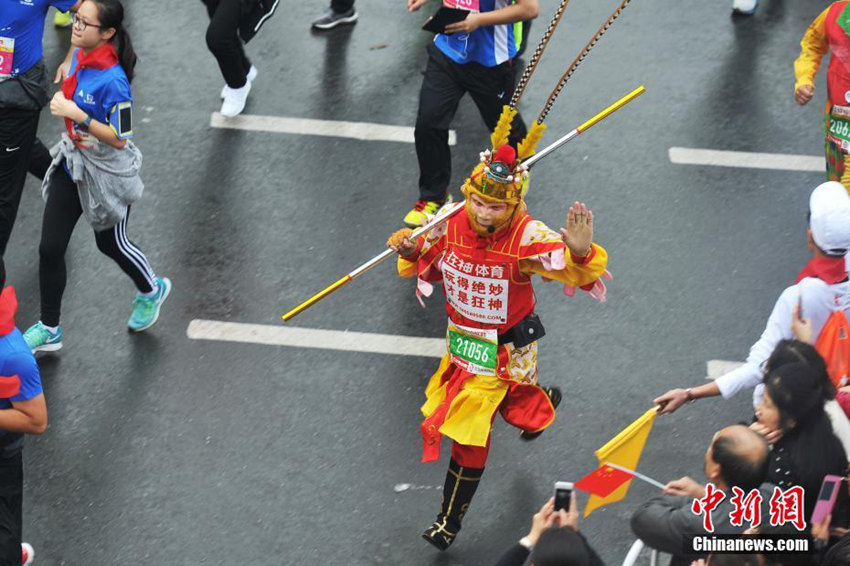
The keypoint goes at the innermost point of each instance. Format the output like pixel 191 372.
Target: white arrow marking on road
pixel 775 161
pixel 716 368
pixel 316 338
pixel 330 128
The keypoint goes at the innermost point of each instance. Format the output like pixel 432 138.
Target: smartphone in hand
pixel 563 493
pixel 826 498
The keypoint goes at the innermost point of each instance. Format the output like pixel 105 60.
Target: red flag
pixel 9 386
pixel 603 481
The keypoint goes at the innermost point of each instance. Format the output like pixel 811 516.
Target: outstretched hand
pixel 578 235
pixel 671 401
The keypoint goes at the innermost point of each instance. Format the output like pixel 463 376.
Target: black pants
pixel 224 43
pixel 443 86
pixel 61 213
pixel 342 6
pixel 17 134
pixel 11 509
pixel 39 160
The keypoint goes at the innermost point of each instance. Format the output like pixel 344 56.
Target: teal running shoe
pixel 40 339
pixel 146 309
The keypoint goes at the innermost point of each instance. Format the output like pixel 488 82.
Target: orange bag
pixel 834 345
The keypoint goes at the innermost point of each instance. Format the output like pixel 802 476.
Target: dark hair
pixel 785 558
pixel 796 391
pixel 838 555
pixel 795 351
pixel 560 547
pixel 814 449
pixel 733 560
pixel 111 15
pixel 738 469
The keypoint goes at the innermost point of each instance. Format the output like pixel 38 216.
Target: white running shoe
pixel 252 74
pixel 234 100
pixel 745 7
pixel 27 554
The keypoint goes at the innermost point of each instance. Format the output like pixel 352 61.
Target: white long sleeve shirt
pixel 818 301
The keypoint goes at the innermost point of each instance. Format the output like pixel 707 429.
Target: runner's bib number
pixel 469 5
pixel 839 127
pixel 473 349
pixel 7 53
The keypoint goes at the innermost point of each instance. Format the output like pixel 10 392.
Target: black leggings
pixel 17 133
pixel 11 508
pixel 61 213
pixel 223 41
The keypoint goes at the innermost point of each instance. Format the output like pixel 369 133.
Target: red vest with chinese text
pixel 481 275
pixel 838 75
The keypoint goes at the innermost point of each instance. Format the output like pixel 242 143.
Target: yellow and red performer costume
pixel 485 257
pixel 830 32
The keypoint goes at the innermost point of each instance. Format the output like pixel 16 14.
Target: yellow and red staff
pixel 450 210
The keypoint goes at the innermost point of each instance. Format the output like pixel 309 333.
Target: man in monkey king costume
pixel 485 256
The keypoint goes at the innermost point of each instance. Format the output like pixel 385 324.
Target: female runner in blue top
pixel 95 170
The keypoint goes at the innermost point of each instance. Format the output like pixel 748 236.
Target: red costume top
pixel 487 282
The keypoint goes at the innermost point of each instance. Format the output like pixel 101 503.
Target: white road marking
pixel 297 337
pixel 331 128
pixel 716 368
pixel 399 487
pixel 775 161
pixel 315 338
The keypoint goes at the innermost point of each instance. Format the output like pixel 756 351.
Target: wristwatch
pixel 86 122
pixel 526 542
pixel 690 398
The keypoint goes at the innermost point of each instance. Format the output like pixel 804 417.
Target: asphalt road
pixel 164 450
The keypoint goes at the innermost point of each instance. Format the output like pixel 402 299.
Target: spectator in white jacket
pixel 821 287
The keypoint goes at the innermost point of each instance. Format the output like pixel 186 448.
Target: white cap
pixel 829 207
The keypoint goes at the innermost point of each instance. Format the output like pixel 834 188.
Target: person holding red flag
pixel 830 32
pixel 485 256
pixel 95 170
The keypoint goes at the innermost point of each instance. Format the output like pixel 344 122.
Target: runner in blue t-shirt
pixel 22 411
pixel 24 90
pixel 476 56
pixel 95 170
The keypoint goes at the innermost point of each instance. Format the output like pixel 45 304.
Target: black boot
pixel 554 395
pixel 461 483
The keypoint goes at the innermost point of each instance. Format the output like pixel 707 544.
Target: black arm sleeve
pixel 515 556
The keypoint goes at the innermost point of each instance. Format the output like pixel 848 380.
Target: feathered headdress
pixel 500 175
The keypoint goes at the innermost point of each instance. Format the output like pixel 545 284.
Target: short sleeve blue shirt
pixel 488 45
pixel 16 359
pixel 22 31
pixel 105 95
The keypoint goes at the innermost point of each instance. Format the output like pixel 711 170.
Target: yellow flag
pixel 623 450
